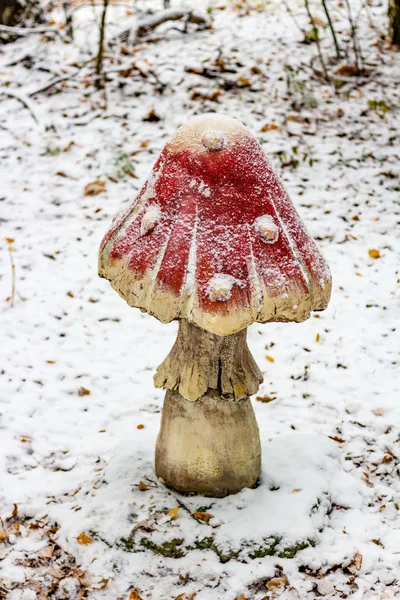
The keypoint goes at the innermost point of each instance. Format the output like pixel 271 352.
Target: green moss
pixel 269 549
pixel 208 543
pixel 291 551
pixel 168 549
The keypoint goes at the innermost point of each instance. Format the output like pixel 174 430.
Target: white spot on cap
pixel 150 219
pixel 213 140
pixel 266 229
pixel 220 287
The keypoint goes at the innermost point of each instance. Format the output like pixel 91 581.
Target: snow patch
pixel 220 287
pixel 267 229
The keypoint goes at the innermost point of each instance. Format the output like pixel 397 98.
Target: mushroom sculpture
pixel 213 240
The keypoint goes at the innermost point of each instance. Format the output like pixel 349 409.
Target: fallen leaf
pixel 347 70
pixel 95 187
pixel 203 516
pixel 265 398
pixel 70 294
pixel 297 490
pixel 276 582
pixel 244 81
pixel 336 438
pixel 317 337
pixel 242 598
pixel 173 513
pixel 140 426
pixel 269 127
pixel 14 513
pixel 152 117
pixel 134 595
pixel 84 539
pixel 144 144
pixel 10 240
pixel 100 585
pixel 270 359
pixel 142 486
pixel 3 535
pixel 378 412
pixel 355 564
pixel 61 174
pixel 46 552
pixel 83 391
pixel 374 253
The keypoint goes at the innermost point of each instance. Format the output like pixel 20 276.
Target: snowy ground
pixel 78 411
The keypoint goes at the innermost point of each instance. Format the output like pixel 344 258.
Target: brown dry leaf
pixel 242 598
pixel 378 412
pixel 14 513
pixel 355 564
pixel 140 426
pixel 317 337
pixel 297 490
pixel 10 240
pixel 142 486
pixel 3 535
pixel 144 144
pixel 83 391
pixel 265 398
pixel 337 439
pixel 95 187
pixel 270 127
pixel 152 117
pixel 46 552
pixel 173 513
pixel 270 359
pixel 244 81
pixel 61 174
pixel 84 539
pixel 347 70
pixel 203 516
pixel 134 595
pixel 276 582
pixel 55 572
pixel 70 294
pixel 297 119
pixel 374 253
pixel 100 585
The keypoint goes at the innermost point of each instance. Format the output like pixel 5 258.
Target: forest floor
pixel 83 515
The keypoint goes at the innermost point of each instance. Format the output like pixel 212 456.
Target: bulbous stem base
pixel 210 446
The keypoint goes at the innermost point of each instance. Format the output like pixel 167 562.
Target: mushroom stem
pixel 209 441
pixel 200 361
pixel 210 447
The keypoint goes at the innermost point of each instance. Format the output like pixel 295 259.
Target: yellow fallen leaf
pixel 270 127
pixel 317 337
pixel 173 513
pixel 10 240
pixel 134 595
pixel 276 582
pixel 270 359
pixel 203 516
pixel 374 253
pixel 84 539
pixel 265 398
pixel 3 535
pixel 142 486
pixel 95 187
pixel 296 490
pixel 140 426
pixel 83 391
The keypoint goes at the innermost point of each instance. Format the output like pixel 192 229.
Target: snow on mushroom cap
pixel 213 237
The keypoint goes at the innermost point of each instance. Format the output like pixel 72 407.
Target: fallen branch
pixel 21 98
pixel 60 79
pixel 228 84
pixel 22 31
pixel 147 24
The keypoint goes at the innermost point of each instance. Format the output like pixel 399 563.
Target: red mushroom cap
pixel 212 236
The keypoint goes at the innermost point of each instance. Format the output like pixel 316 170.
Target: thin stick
pixel 12 297
pixel 23 31
pixel 316 35
pixel 328 16
pixel 22 99
pixel 99 63
pixel 354 37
